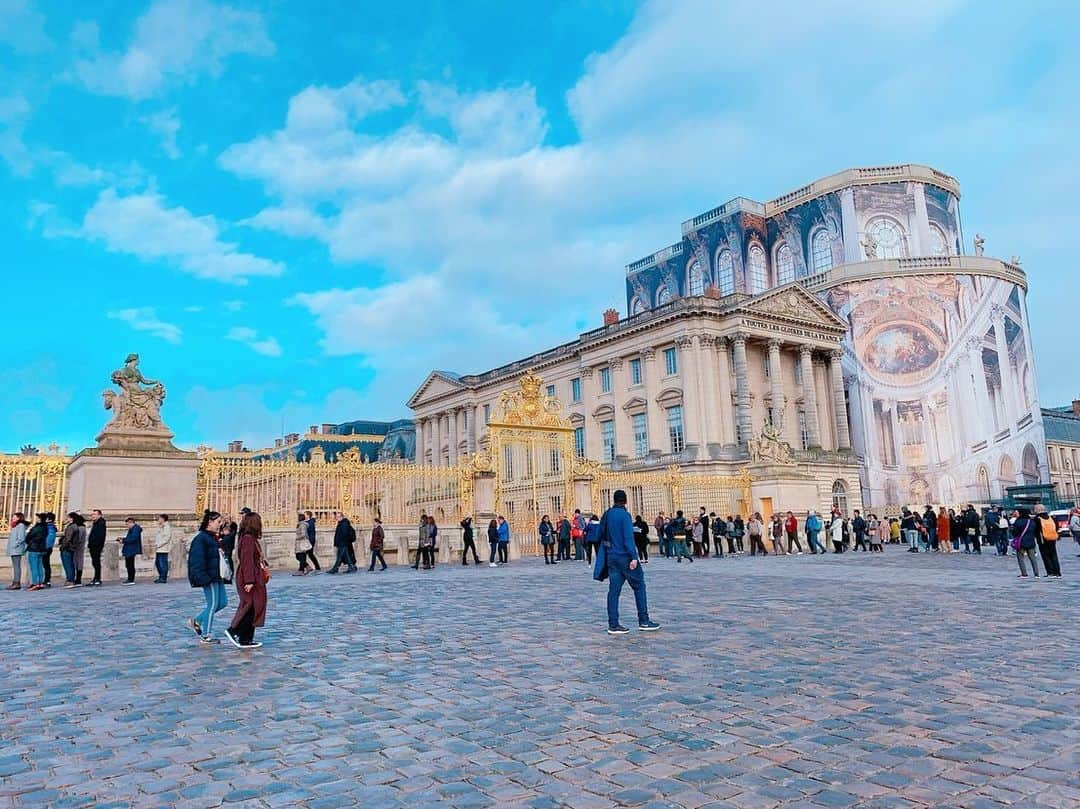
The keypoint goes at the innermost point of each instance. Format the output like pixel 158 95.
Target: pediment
pixel 792 302
pixel 636 403
pixel 436 385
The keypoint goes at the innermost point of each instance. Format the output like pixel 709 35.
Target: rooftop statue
pixel 979 242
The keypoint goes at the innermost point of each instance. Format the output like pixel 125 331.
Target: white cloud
pixel 165 124
pixel 145 318
pixel 144 226
pixel 267 346
pixel 174 41
pixel 22 26
pixel 496 242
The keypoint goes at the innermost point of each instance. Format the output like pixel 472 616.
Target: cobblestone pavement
pixel 858 680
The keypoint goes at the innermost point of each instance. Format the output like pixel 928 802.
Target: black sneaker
pixel 235 641
pixel 253 645
pixel 648 626
pixel 206 640
pixel 193 625
pixel 618 630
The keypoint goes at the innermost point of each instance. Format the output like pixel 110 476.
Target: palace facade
pixel 834 339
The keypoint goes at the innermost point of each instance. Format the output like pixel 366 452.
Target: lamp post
pixel 1072 475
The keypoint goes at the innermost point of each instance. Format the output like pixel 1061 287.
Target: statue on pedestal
pixel 136 409
pixel 770 448
pixel 979 242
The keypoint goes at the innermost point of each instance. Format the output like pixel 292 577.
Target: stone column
pixel 467 414
pixel 813 430
pixel 436 451
pixel 418 426
pixel 870 439
pixel 897 438
pixel 836 373
pixel 986 428
pixel 723 393
pixel 593 444
pixel 478 426
pixel 826 422
pixel 455 415
pixel 850 224
pixel 1009 385
pixel 691 382
pixel 776 387
pixel 742 389
pixel 706 355
pixel 655 414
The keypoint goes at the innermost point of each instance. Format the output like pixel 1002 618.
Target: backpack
pixel 352 533
pixel 1049 529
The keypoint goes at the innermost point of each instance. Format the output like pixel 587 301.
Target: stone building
pixel 842 315
pixel 1062 425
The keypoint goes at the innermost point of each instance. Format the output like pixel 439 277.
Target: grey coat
pixel 16 545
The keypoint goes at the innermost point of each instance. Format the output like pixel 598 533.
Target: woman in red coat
pixel 250 579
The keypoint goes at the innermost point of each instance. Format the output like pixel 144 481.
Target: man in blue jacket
pixel 623 566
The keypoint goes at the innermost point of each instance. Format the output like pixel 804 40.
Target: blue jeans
pixel 619 572
pixel 812 541
pixel 216 601
pixel 579 551
pixel 161 564
pixel 67 559
pixel 37 569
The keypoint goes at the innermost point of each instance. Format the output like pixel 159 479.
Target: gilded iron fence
pixel 672 489
pixel 33 483
pixel 278 490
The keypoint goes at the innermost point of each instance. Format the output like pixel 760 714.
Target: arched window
pixel 755 260
pixel 695 281
pixel 888 236
pixel 636 306
pixel 839 496
pixel 821 251
pixel 785 264
pixel 725 272
pixel 984 482
pixel 939 245
pixel 663 295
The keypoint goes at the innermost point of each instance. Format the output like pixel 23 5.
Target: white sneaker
pixel 492 564
pixel 799 553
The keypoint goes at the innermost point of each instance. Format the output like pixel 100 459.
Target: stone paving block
pixel 743 699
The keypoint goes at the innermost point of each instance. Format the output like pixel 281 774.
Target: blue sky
pixel 294 210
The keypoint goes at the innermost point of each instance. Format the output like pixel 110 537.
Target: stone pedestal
pixel 130 482
pixel 787 488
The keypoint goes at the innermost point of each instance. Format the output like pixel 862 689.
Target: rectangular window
pixel 641 436
pixel 769 416
pixel 579 441
pixel 554 461
pixel 798 372
pixel 607 434
pixel 804 433
pixel 635 372
pixel 551 391
pixel 675 428
pixel 739 438
pixel 487 414
pixel 671 361
pixel 575 390
pixel 765 365
pixel 605 380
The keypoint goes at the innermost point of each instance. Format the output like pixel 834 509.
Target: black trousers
pixel 311 555
pixel 860 541
pixel 245 626
pixel 793 539
pixel 1049 554
pixel 470 545
pixel 588 552
pixel 426 555
pixel 95 560
pixel 642 548
pixel 563 554
pixel 46 559
pixel 377 556
pixel 301 559
pixel 129 563
pixel 549 553
pixel 718 544
pixel 503 552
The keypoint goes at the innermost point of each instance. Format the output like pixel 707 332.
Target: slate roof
pixel 1062 426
